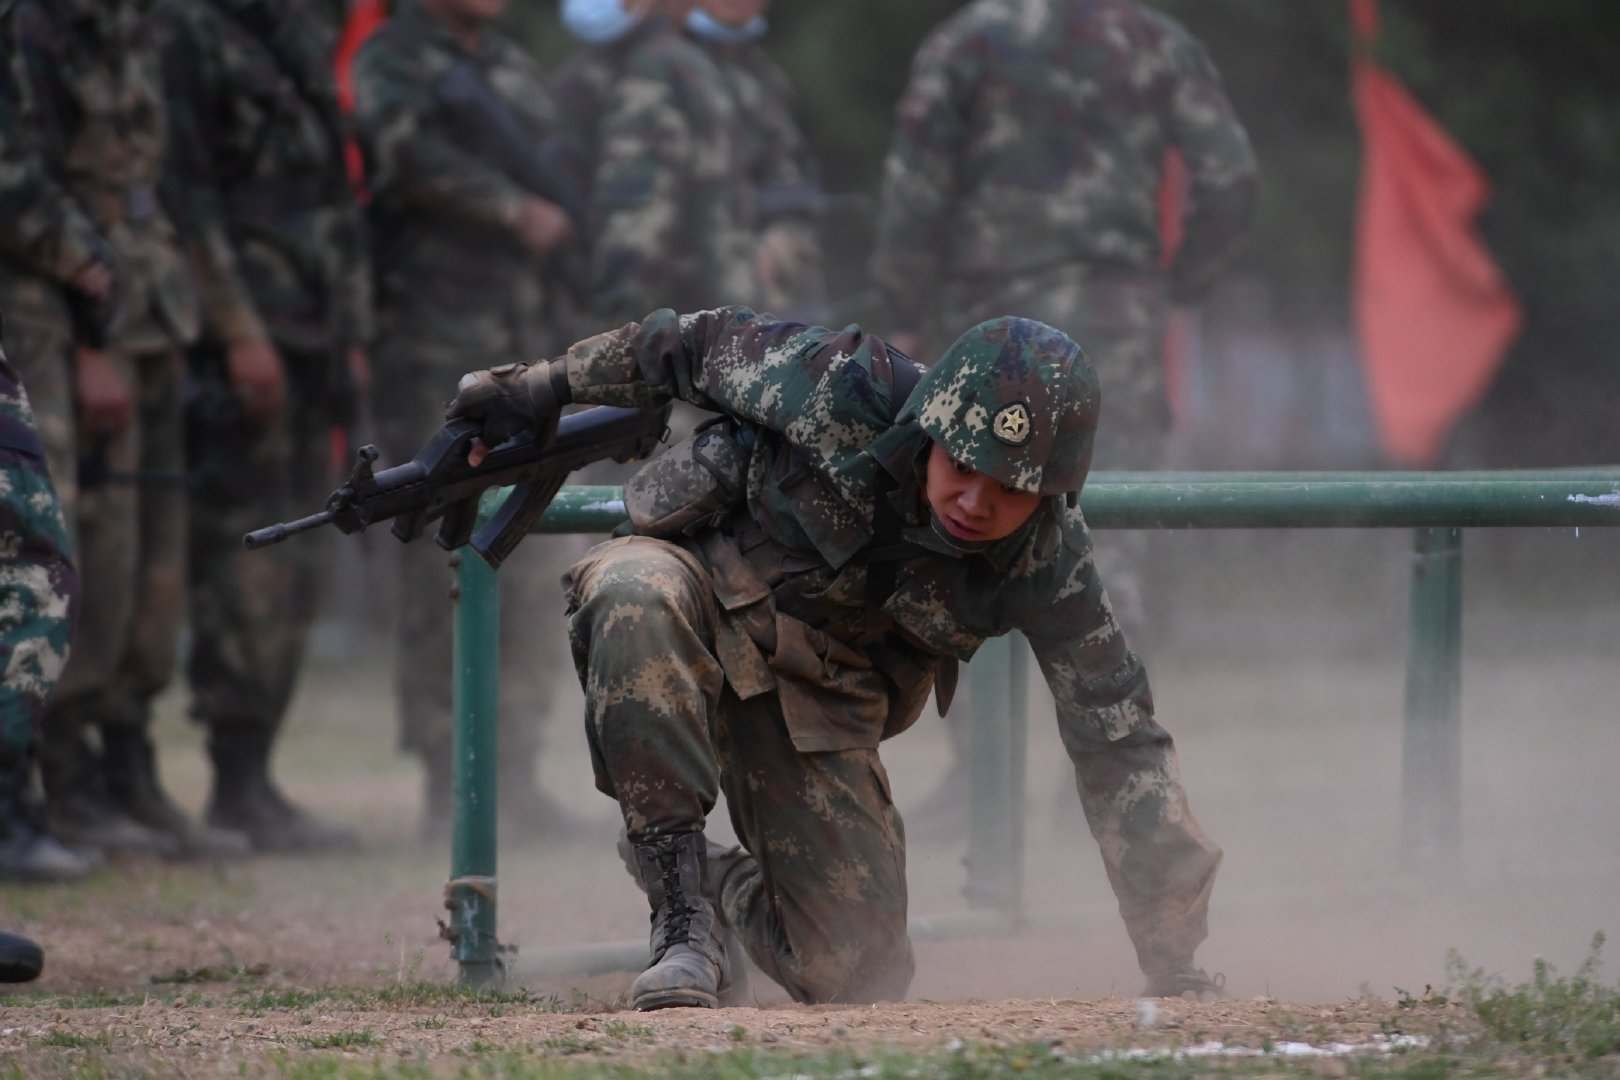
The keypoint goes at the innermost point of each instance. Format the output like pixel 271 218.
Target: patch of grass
pixel 339 1040
pixel 72 1039
pixel 212 973
pixel 1564 1019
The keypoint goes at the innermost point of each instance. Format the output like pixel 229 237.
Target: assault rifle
pixel 438 484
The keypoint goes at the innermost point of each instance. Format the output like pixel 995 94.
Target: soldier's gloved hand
pixel 509 400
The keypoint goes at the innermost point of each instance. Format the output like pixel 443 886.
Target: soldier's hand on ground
pixel 106 403
pixel 511 399
pixel 93 279
pixel 543 227
pixel 259 379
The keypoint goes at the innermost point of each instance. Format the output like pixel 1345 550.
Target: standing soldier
pixel 275 236
pixel 38 592
pixel 461 244
pixel 100 304
pixel 1024 176
pixel 787 201
pixel 672 212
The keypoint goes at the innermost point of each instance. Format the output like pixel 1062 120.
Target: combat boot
pixel 80 811
pixel 721 862
pixel 21 959
pixel 28 851
pixel 129 769
pixel 688 965
pixel 245 799
pixel 1186 981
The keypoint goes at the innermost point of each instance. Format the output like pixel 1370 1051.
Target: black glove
pixel 512 399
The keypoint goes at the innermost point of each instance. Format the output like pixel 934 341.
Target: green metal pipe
pixel 1327 500
pixel 470 895
pixel 997 766
pixel 1431 759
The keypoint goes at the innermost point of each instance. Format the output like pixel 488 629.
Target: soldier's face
pixel 971 505
pixel 734 12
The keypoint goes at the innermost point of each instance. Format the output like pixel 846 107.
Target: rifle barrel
pixel 275 534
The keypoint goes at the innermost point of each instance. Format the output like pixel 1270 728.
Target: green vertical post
pixel 470 893
pixel 997 752
pixel 1431 761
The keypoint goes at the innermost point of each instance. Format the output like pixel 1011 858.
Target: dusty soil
pixel 1287 709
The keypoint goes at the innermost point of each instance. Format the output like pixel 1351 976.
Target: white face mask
pixel 706 26
pixel 597 22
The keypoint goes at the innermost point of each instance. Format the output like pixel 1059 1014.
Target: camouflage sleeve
pixel 645 144
pixel 40 222
pixel 815 386
pixel 1099 685
pixel 410 165
pixel 355 323
pixel 192 89
pixel 919 180
pixel 1221 167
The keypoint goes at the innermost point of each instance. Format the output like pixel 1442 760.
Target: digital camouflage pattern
pixel 752 655
pixel 1014 399
pixel 84 141
pixel 451 274
pixel 1028 155
pixel 277 242
pixel 1033 135
pixel 782 171
pixel 38 584
pixel 273 224
pixel 84 147
pixel 456 290
pixel 672 217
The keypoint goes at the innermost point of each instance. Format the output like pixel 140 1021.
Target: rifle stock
pixel 438 484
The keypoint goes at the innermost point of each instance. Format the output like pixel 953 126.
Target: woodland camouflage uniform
pixel 84 130
pixel 274 233
pixel 782 172
pixel 672 219
pixel 455 290
pixel 1024 177
pixel 769 655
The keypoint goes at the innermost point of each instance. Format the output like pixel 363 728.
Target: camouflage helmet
pixel 1016 400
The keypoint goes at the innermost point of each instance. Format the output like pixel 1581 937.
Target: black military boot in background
pixel 28 851
pixel 21 959
pixel 688 955
pixel 80 811
pixel 247 800
pixel 129 769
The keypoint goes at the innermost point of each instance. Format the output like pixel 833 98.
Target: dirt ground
pixel 1286 702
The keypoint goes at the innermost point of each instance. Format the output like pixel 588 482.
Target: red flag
pixel 1433 311
pixel 364 17
pixel 1178 332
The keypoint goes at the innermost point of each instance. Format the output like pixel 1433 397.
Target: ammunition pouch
pixel 694 484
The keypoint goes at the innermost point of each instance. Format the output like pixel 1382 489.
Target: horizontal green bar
pixel 1278 501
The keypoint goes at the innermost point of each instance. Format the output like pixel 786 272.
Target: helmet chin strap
pixel 966 547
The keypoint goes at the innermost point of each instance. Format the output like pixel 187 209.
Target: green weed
pixel 1568 1019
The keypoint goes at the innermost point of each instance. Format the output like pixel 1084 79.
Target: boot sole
pixel 675 999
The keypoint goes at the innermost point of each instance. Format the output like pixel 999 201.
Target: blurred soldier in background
pixel 38 592
pixel 1024 176
pixel 787 198
pixel 461 245
pixel 274 233
pixel 100 304
pixel 672 213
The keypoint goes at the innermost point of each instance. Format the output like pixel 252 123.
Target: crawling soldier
pixel 886 521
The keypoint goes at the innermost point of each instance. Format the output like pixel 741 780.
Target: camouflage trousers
pixel 38 591
pixel 414 381
pixel 127 528
pixel 251 610
pixel 821 908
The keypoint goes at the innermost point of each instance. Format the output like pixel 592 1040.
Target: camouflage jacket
pixel 449 266
pixel 672 217
pixel 82 131
pixel 259 176
pixel 1034 134
pixel 828 451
